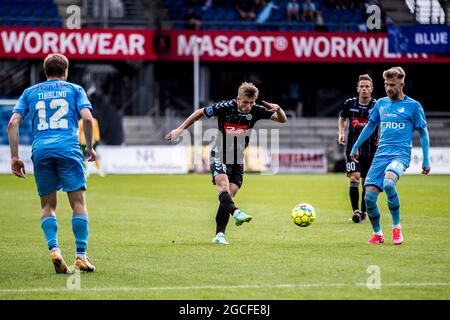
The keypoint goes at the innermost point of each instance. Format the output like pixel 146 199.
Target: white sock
pixel 396 226
pixel 56 250
pixel 235 212
pixel 379 233
pixel 81 256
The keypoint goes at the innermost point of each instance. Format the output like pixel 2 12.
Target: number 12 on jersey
pixel 56 121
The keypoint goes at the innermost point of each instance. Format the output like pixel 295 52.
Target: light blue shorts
pixel 380 166
pixel 55 170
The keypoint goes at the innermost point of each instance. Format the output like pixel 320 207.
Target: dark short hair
pixel 55 65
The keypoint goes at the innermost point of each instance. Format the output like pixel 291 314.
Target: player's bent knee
pixel 354 179
pixel 371 199
pixel 389 186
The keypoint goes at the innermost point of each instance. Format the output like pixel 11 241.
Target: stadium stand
pixel 224 16
pixel 29 13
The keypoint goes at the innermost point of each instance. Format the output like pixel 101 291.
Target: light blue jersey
pixel 55 109
pixel 397 121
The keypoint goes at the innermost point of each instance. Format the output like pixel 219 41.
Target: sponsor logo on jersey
pixel 358 123
pixel 393 115
pixel 235 129
pixel 402 109
pixel 392 125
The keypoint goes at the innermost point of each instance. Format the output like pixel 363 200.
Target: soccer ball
pixel 303 214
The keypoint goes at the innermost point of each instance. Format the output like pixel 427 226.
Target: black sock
pixel 354 195
pixel 227 202
pixel 363 202
pixel 222 218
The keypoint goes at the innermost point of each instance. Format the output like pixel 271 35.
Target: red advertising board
pixel 246 46
pixel 98 44
pixel 220 46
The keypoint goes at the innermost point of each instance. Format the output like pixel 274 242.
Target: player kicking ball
pixel 398 116
pixel 235 119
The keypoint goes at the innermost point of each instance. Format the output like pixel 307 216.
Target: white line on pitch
pixel 275 286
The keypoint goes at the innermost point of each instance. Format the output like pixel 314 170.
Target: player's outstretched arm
pixel 425 144
pixel 279 115
pixel 175 133
pixel 88 129
pixel 17 165
pixel 367 131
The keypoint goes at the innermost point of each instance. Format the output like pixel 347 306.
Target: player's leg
pixel 220 180
pixel 80 228
pixel 47 183
pixel 222 216
pixel 49 226
pixel 374 185
pixel 363 213
pixel 365 163
pixel 226 206
pixel 393 173
pixel 71 172
pixel 373 212
pixel 353 173
pixel 236 176
pixel 355 178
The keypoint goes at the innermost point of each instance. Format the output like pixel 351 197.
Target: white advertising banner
pixel 24 154
pixel 439 161
pixel 143 159
pixel 300 160
pixel 119 159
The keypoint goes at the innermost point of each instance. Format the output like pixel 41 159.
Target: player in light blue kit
pixel 55 107
pixel 398 116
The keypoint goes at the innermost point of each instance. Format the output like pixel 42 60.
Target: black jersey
pixel 359 115
pixel 235 129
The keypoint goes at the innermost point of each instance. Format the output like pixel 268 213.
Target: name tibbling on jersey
pixel 54 107
pixel 397 120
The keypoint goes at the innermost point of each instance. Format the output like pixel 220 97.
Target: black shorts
pixel 235 172
pixel 362 166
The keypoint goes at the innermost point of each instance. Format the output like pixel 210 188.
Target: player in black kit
pixel 235 119
pixel 356 110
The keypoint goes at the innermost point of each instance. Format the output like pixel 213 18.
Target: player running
pixel 398 116
pixel 357 110
pixel 235 119
pixel 55 107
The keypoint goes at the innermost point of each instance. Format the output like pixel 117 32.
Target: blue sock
pixel 393 200
pixel 50 228
pixel 372 209
pixel 80 231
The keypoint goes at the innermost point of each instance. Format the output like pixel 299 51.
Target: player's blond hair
pixel 55 65
pixel 394 73
pixel 248 90
pixel 365 77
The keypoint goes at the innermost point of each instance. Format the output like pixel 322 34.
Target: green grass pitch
pixel 150 238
